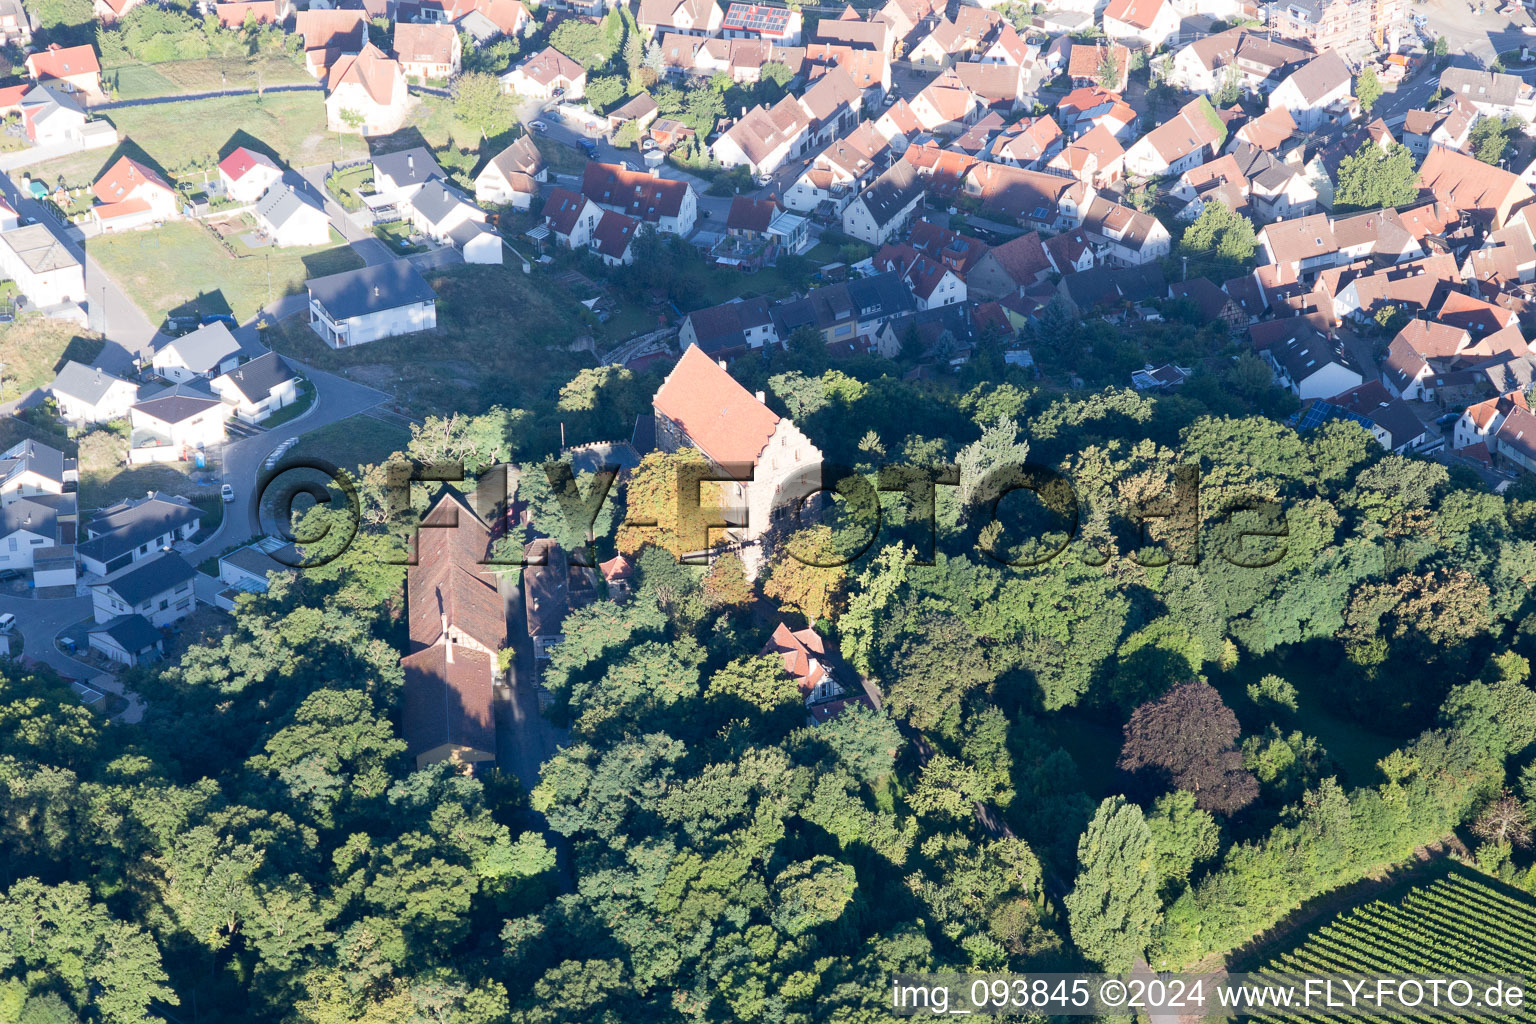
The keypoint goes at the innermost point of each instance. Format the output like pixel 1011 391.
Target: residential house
pixel 1317 92
pixel 946 106
pixel 1481 421
pixel 447 216
pixel 1270 132
pixel 246 175
pixel 1030 143
pixel 329 35
pixel 289 218
pixel 668 205
pixel 613 238
pixel 259 387
pixel 847 312
pixel 856 33
pixel 456 620
pixel 1090 106
pixel 135 529
pixel 36 534
pixel 427 52
pixel 234 14
pixel 1112 289
pixel 50 116
pixel 128 639
pixel 398 176
pixel 1515 439
pixel 773 466
pixel 359 306
pixel 15 24
pixel 206 352
pixel 1304 245
pixel 1490 93
pixel 44 269
pixel 492 19
pixel 158 588
pixel 1107 65
pixel 807 661
pixel 1309 365
pixel 1126 237
pixel 1211 302
pixel 1096 159
pixel 169 423
pixel 88 395
pixel 130 195
pixel 1144 24
pixel 1389 420
pixel 998 87
pixel 1255 62
pixel 1036 199
pixel 512 177
pixel 366 93
pixel 1277 190
pixel 1450 125
pixel 71 68
pixel 1007 269
pixel 778 25
pixel 1464 184
pixel 639 111
pixel 840 171
pixel 246 570
pixel 765 138
pixel 571 218
pixel 1190 137
pixel 730 329
pixel 680 17
pixel 1334 24
pixel 29 468
pixel 886 206
pixel 933 284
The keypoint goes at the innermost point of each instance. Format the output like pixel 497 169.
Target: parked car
pixel 7 622
pixel 7 575
pixel 214 318
pixel 1448 418
pixel 538 126
pixel 227 493
pixel 589 147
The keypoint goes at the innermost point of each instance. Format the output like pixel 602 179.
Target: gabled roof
pixel 522 157
pixel 33 456
pixel 804 653
pixel 562 208
pixel 719 416
pixel 1291 241
pixel 1270 130
pixel 436 200
pixel 722 329
pixel 146 579
pixel 613 234
pixel 1464 183
pixel 764 19
pixel 748 214
pixel 1023 259
pixel 124 178
pixel 424 44
pixel 1087 58
pixel 370 289
pixel 447 582
pixel 1320 76
pixel 283 203
pixel 377 74
pixel 176 403
pixel 242 161
pixel 414 166
pixel 449 700
pixel 203 349
pixel 132 633
pixel 64 61
pixel 88 384
pixel 1136 13
pixel 548 66
pixel 891 193
pixel 1195 125
pixel 256 379
pixel 641 195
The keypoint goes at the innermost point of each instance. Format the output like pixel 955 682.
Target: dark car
pixel 6 575
pixel 226 319
pixel 588 146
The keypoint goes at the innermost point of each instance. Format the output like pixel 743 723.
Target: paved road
pixel 365 243
pixel 336 398
pixel 41 621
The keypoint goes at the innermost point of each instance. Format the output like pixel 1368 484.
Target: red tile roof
pixel 720 417
pixel 237 164
pixel 63 62
pixel 803 651
pixel 123 178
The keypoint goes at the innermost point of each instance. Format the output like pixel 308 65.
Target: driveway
pixel 336 398
pixel 364 243
pixel 39 621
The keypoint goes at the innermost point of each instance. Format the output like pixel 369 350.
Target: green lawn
pixel 33 348
pixel 187 139
pixel 501 336
pixel 101 488
pixel 180 267
pixel 345 186
pixel 396 234
pixel 136 81
pixel 359 440
pixel 560 158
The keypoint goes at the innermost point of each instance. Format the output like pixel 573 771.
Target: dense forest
pixel 1260 665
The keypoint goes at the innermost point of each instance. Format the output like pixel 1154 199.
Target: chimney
pixel 721 362
pixel 410 163
pixel 762 399
pixel 375 291
pixel 445 622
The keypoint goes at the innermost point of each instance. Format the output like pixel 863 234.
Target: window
pixel 12 543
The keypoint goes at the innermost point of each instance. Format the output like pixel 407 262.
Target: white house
pixel 1140 24
pixel 130 195
pixel 366 93
pixel 1307 365
pixel 292 218
pixel 1185 140
pixel 886 206
pixel 127 639
pixel 176 419
pixel 44 269
pixel 31 529
pixel 359 306
pixel 30 468
pixel 513 176
pixel 87 395
pixel 258 388
pixel 670 206
pixel 1314 92
pixel 134 529
pixel 159 589
pixel 206 352
pixel 547 75
pixel 246 174
pixel 571 218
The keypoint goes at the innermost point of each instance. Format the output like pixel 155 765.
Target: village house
pixel 127 639
pixel 1106 65
pixel 1125 237
pixel 1464 184
pixel 765 138
pixel 730 329
pixel 448 217
pixel 171 422
pixel 680 17
pixel 1303 246
pixel 259 387
pixel 159 589
pixel 807 661
pixel 1029 143
pixel 847 312
pixel 50 116
pixel 668 205
pixel 15 24
pixel 778 25
pixel 359 306
pixel 1143 24
pixel 1317 92
pixel 71 68
pixel 87 395
pixel 1490 93
pixel 289 217
pixel 1007 269
pixel 1450 125
pixel 366 93
pixel 246 175
pixel 1036 199
pixel 29 468
pixel 1095 159
pixel 235 13
pixel 613 238
pixel 1307 364
pixel 398 176
pixel 135 529
pixel 1088 107
pixel 329 35
pixel 886 206
pixel 428 52
pixel 840 171
pixel 206 352
pixel 130 195
pixel 946 106
pixel 1190 137
pixel 570 217
pixel 512 177
pixel 44 269
pixel 1481 421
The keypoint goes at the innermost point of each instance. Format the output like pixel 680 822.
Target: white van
pixel 7 622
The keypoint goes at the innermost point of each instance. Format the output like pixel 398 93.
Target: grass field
pixel 140 81
pixel 33 348
pixel 1462 923
pixel 180 267
pixel 359 440
pixel 182 139
pixel 501 336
